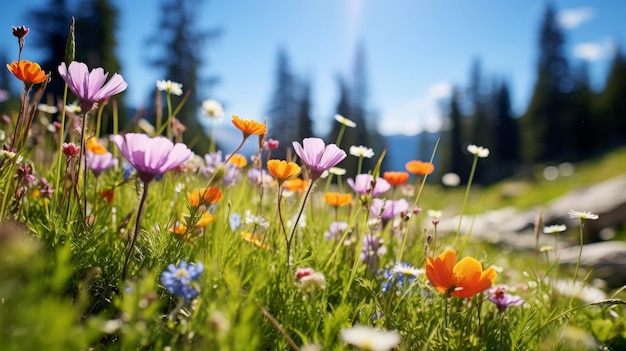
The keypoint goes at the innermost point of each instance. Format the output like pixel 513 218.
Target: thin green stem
pixel 580 252
pixel 61 172
pixel 419 193
pixel 340 135
pixel 467 191
pixel 99 121
pixel 133 239
pixel 168 99
pixel 295 224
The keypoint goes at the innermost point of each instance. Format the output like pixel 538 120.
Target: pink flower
pixel 317 156
pixel 99 163
pixel 363 183
pixel 89 87
pixel 151 156
pixel 387 209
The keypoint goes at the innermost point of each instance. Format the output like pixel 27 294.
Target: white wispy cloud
pixel 595 50
pixel 572 18
pixel 420 113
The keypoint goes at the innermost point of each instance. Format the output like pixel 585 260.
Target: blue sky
pixel 415 49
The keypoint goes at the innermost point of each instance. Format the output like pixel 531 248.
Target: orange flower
pixel 419 167
pixel 206 196
pixel 249 126
pixel 463 279
pixel 28 72
pixel 238 160
pixel 179 228
pixel 296 184
pixel 396 178
pixel 108 195
pixel 253 238
pixel 283 170
pixel 337 199
pixel 94 146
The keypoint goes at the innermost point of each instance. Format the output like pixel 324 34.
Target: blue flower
pixel 235 221
pixel 403 275
pixel 179 280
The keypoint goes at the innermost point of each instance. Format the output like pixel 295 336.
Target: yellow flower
pixel 205 219
pixel 463 279
pixel 253 238
pixel 283 170
pixel 94 146
pixel 238 160
pixel 249 126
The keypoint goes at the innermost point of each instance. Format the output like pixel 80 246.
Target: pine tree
pixel 541 136
pixel 50 25
pixel 481 127
pixel 284 108
pixel 583 119
pixel 183 49
pixel 505 133
pixel 96 43
pixel 452 158
pixel 305 122
pixel 612 107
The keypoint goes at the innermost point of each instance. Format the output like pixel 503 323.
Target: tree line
pixel 565 120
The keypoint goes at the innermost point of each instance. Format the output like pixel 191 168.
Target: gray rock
pixel 607 260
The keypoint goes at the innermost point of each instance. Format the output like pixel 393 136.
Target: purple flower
pixel 362 184
pixel 231 175
pixel 503 300
pixel 151 156
pixel 213 161
pixel 179 280
pixel 336 230
pixel 387 209
pixel 372 248
pixel 99 163
pixel 89 87
pixel 317 156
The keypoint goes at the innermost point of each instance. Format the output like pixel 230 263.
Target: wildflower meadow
pixel 132 241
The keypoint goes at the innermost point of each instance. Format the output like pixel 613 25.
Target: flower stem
pixel 580 252
pixel 467 190
pixel 295 224
pixel 340 135
pixel 133 239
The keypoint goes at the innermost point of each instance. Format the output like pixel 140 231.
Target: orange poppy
pixel 296 184
pixel 28 72
pixel 396 178
pixel 419 167
pixel 94 146
pixel 249 126
pixel 464 279
pixel 206 196
pixel 238 160
pixel 337 199
pixel 283 170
